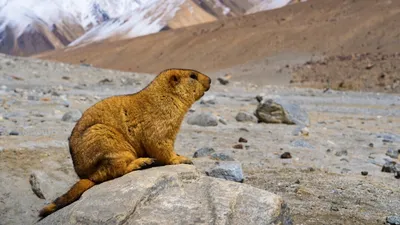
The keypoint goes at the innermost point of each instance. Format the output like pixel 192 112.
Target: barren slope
pixel 321 27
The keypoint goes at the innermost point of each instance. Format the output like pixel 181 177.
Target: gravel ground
pixel 349 132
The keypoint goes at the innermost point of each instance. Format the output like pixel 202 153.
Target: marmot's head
pixel 186 84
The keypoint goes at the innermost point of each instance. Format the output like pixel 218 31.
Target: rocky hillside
pixel 253 43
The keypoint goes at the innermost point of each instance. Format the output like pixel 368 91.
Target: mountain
pixel 32 26
pixel 251 44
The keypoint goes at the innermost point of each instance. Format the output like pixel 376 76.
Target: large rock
pixel 279 111
pixel 172 195
pixel 203 119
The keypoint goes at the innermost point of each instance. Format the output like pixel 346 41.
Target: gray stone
pixel 222 156
pixel 203 119
pixel 33 98
pixel 202 152
pixel 14 133
pixel 279 111
pixel 222 120
pixel 390 167
pixel 228 170
pixel 50 186
pixel 72 116
pixel 245 117
pixel 173 195
pixel 393 220
pixel 301 144
pixel 208 99
pixel 301 130
pixel 341 153
pixel 223 80
pixel 388 137
pixel 393 153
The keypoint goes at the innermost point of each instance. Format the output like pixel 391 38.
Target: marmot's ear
pixel 174 80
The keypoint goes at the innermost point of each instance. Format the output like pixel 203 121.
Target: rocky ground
pixel 334 174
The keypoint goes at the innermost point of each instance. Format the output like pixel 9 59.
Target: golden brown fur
pixel 124 133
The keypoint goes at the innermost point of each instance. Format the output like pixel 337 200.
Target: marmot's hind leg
pixel 119 165
pixel 110 155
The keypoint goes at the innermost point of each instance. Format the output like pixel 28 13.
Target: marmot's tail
pixel 72 195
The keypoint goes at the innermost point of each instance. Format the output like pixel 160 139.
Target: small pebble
pixel 14 133
pixel 393 220
pixel 364 173
pixel 389 167
pixel 242 140
pixel 286 155
pixel 72 116
pixel 393 153
pixel 371 145
pixel 334 208
pixel 206 151
pixel 238 146
pixel 341 153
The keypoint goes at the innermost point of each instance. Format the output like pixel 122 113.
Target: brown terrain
pixel 37 38
pixel 307 32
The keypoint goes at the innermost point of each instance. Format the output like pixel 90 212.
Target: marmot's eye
pixel 193 76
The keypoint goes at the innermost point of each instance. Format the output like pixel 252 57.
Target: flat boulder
pixel 280 111
pixel 177 194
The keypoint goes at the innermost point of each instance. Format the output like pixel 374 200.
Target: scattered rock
pixel 242 140
pixel 301 130
pixel 203 119
pixel 397 174
pixel 341 153
pixel 301 144
pixel 159 195
pixel 364 173
pixel 371 145
pixel 33 180
pixel 393 220
pixel 225 79
pixel 228 170
pixel 202 152
pixel 221 156
pixel 393 153
pixel 208 100
pixel 286 155
pixel 72 116
pixel 238 146
pixel 245 117
pixel 49 187
pixel 14 133
pixel 222 120
pixel 388 137
pixel 334 208
pixel 65 78
pixel 105 81
pixel 244 129
pixel 259 98
pixel 278 111
pixel 389 167
pixel 33 98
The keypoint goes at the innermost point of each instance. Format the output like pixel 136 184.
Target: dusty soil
pixel 322 183
pixel 316 28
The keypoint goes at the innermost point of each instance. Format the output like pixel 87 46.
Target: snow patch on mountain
pixel 148 18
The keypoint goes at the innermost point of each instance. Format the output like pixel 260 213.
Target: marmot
pixel 124 133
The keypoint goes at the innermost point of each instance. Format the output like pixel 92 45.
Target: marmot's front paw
pixel 181 160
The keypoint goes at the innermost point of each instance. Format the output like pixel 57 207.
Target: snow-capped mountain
pixel 31 26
